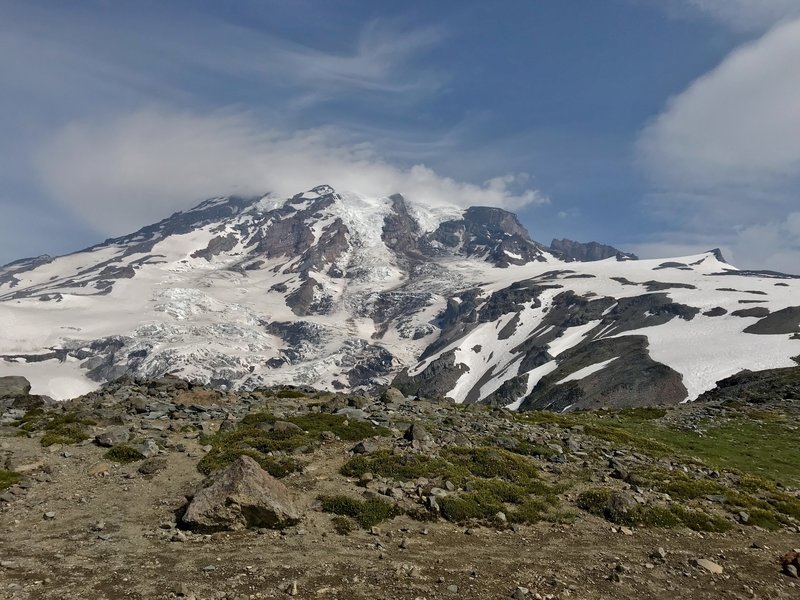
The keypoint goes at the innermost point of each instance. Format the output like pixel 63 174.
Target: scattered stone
pixel 392 396
pixel 147 448
pixel 112 437
pixel 101 469
pixel 658 554
pixel 365 447
pixel 416 433
pixel 707 565
pixel 153 465
pixel 286 427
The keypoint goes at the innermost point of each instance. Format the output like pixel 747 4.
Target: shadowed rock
pixel 243 496
pixel 14 386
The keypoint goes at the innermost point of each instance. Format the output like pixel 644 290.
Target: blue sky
pixel 660 126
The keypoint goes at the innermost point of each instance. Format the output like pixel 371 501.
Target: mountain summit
pixel 343 291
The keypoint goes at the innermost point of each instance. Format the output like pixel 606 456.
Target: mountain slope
pixel 342 291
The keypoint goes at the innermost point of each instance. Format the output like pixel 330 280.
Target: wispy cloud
pixel 130 170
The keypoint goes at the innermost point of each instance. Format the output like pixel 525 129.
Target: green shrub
pixel 123 453
pixel 764 518
pixel 8 478
pixel 469 507
pixel 366 513
pixel 251 438
pixel 278 467
pixel 343 525
pixel 67 428
pixel 404 467
pixel 600 502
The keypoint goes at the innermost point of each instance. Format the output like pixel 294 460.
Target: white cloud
pixel 747 15
pixel 724 156
pixel 738 124
pixel 121 173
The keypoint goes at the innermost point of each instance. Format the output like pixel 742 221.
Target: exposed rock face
pixel 630 379
pixel 586 252
pixel 780 322
pixel 487 232
pixel 243 496
pixel 401 232
pixel 14 387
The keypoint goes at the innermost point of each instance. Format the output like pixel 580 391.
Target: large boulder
pixel 243 496
pixel 14 387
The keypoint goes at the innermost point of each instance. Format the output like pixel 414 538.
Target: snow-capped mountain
pixel 342 291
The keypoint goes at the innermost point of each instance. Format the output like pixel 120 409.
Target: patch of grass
pixel 290 394
pixel 343 525
pixel 276 466
pixel 251 438
pixel 490 462
pixel 66 428
pixel 470 507
pixel 367 513
pixel 700 521
pixel 30 419
pixel 647 413
pixel 530 511
pixel 601 502
pixel 766 519
pixel 8 478
pixel 753 442
pixel 404 467
pixel 495 480
pixel 347 429
pixel 527 449
pixel 123 453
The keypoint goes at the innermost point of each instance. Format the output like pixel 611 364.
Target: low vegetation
pixel 58 428
pixel 8 478
pixel 608 504
pixel 367 513
pixel 491 480
pixel 123 453
pixel 258 436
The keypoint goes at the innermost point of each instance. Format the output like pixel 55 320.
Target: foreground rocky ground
pixel 396 498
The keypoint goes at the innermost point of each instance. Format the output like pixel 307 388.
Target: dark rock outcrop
pixel 631 379
pixel 780 322
pixel 570 250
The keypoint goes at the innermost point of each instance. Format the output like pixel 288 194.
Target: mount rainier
pixel 342 291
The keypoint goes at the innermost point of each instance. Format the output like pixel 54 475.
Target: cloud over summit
pixel 134 169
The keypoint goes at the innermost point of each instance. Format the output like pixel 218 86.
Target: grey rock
pixel 243 496
pixel 112 437
pixel 416 433
pixel 147 448
pixel 393 396
pixel 365 447
pixel 707 565
pixel 153 465
pixel 286 427
pixel 14 386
